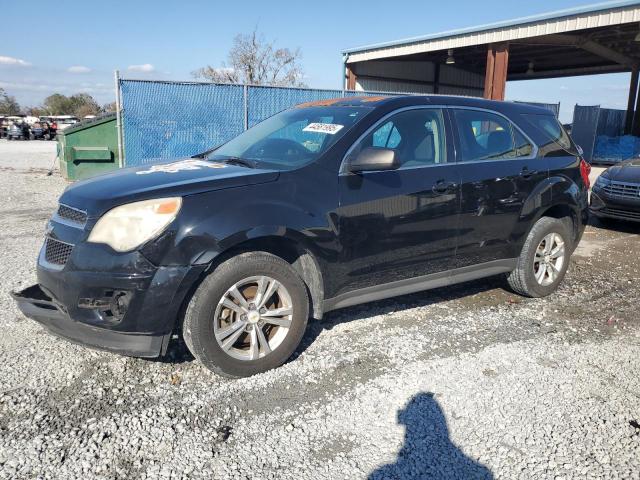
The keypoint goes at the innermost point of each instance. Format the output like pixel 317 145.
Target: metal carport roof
pixel 589 18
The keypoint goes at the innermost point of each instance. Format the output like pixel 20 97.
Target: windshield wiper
pixel 243 162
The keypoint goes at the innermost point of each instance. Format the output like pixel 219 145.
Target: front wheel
pixel 248 316
pixel 544 259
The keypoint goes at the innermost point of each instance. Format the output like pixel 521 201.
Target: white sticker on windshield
pixel 330 128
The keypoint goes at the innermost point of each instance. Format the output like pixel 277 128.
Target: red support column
pixel 495 81
pixel 351 79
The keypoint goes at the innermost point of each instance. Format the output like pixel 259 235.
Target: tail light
pixel 585 170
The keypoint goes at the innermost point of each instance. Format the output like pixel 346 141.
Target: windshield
pixel 292 138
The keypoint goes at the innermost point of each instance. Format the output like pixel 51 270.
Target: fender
pixel 212 223
pixel 557 190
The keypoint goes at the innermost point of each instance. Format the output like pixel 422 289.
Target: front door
pixel 399 224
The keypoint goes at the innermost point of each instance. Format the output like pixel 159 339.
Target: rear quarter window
pixel 550 135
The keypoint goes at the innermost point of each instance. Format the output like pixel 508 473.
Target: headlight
pixel 129 226
pixel 602 181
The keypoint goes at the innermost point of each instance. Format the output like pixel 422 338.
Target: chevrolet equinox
pixel 322 206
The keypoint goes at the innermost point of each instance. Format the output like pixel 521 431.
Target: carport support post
pixel 633 90
pixel 351 78
pixel 495 82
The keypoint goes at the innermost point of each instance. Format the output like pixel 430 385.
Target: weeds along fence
pixel 163 120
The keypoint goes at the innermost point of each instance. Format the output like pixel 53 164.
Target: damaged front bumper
pixel 37 305
pixel 116 302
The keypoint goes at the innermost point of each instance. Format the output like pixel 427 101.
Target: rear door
pixel 399 224
pixel 499 170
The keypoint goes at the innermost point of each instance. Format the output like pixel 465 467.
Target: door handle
pixel 526 173
pixel 442 187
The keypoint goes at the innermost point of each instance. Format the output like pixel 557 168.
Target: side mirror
pixel 374 158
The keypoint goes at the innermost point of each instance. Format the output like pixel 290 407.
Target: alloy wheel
pixel 549 259
pixel 253 318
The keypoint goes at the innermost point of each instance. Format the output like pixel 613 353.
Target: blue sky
pixel 75 45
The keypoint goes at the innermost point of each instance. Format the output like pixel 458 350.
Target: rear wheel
pixel 544 259
pixel 247 316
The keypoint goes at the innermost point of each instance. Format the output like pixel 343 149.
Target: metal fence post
pixel 119 119
pixel 245 91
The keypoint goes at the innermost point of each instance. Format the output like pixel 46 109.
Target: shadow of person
pixel 427 451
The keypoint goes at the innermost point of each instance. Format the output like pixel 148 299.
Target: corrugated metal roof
pixel 589 16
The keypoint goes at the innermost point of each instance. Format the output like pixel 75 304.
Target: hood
pixel 178 178
pixel 627 171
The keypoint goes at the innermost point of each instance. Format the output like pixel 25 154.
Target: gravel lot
pixel 464 382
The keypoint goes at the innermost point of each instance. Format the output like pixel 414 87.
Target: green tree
pixel 84 104
pixel 57 104
pixel 80 105
pixel 8 104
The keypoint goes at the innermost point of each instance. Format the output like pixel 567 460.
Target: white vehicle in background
pixel 61 121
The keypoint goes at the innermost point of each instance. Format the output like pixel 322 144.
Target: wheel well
pixel 302 261
pixel 562 212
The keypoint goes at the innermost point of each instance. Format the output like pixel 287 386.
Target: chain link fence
pixel 164 120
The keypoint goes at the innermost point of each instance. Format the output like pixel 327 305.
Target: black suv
pixel 322 206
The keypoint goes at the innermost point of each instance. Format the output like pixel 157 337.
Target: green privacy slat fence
pixel 165 120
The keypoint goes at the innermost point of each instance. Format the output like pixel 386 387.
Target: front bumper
pixel 603 205
pixel 37 305
pixel 116 302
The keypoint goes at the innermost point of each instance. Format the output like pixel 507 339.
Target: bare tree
pixel 109 107
pixel 8 104
pixel 254 60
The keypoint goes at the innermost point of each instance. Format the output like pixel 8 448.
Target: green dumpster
pixel 89 148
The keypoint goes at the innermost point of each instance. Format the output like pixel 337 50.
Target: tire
pixel 523 279
pixel 205 309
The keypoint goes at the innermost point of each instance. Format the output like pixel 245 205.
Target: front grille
pixel 71 214
pixel 621 189
pixel 616 212
pixel 56 252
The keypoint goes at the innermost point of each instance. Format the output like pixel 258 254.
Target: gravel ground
pixel 463 382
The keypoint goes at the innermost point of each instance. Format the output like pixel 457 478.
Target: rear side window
pixel 551 133
pixel 488 136
pixel 523 146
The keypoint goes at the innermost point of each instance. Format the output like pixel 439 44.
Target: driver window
pixel 416 135
pixel 386 136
